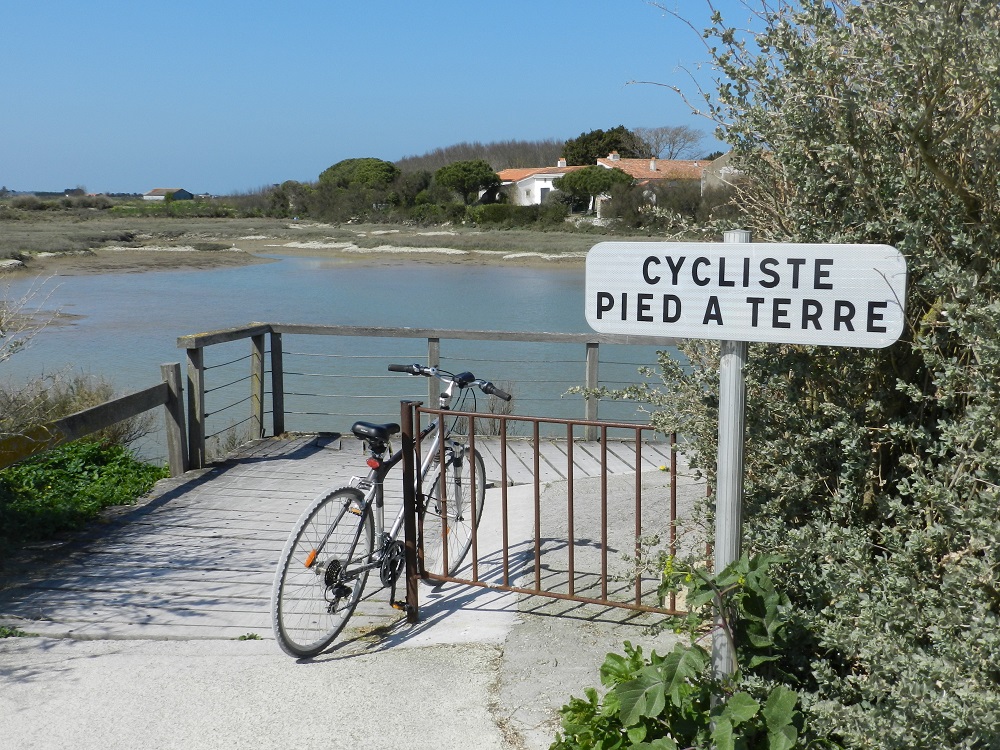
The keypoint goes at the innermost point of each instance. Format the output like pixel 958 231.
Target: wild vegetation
pixel 446 186
pixel 69 485
pixel 64 488
pixel 873 474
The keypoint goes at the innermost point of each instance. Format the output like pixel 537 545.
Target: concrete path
pixel 138 648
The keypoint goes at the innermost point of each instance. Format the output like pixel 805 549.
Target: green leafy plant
pixel 62 489
pixel 249 637
pixel 676 701
pixel 6 631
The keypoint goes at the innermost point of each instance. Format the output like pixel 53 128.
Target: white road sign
pixel 834 295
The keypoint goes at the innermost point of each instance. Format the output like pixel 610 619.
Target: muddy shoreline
pixel 363 245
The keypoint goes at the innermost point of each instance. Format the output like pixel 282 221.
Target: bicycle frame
pixel 372 486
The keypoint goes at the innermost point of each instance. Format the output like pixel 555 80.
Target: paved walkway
pixel 138 625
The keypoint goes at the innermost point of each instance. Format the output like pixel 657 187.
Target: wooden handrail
pixel 209 338
pixel 88 421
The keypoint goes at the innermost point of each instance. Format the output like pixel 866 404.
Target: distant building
pixel 160 194
pixel 646 171
pixel 720 174
pixel 528 187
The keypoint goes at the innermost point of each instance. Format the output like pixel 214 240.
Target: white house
pixel 531 186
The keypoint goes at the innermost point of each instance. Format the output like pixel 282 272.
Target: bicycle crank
pixel 392 563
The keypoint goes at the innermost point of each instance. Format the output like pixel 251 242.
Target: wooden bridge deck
pixel 196 560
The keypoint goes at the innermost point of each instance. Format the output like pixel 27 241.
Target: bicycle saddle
pixel 377 432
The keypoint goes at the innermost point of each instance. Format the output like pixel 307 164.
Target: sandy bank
pixel 255 249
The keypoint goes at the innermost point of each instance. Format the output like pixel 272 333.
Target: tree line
pixel 454 183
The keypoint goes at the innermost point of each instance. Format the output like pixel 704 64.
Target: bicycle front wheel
pixel 317 584
pixel 449 509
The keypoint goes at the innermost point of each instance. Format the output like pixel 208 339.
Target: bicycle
pixel 341 537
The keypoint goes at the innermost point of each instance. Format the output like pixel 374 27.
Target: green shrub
pixel 875 473
pixel 427 213
pixel 504 214
pixel 65 487
pixel 675 701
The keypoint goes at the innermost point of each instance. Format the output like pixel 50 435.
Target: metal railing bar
pixel 224 408
pixel 244 358
pixel 505 532
pixel 356 356
pixel 226 385
pixel 604 513
pixel 571 533
pixel 557 595
pixel 505 361
pixel 472 493
pixel 538 509
pixel 348 395
pixel 342 377
pixel 227 429
pixel 638 512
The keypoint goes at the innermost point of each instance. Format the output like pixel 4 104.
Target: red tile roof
pixel 657 169
pixel 642 170
pixel 516 175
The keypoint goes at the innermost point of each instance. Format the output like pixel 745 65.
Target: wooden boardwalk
pixel 196 559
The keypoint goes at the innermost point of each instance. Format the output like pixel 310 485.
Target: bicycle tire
pixel 457 527
pixel 311 600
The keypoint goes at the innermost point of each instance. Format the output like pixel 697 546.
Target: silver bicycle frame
pixel 373 488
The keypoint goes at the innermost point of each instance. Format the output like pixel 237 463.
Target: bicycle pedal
pixel 401 606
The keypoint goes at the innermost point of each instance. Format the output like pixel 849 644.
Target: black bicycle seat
pixel 377 432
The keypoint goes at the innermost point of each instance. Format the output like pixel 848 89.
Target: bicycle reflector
pixel 373 463
pixel 311 558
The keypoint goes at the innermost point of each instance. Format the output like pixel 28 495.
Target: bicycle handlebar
pixel 412 369
pixel 463 380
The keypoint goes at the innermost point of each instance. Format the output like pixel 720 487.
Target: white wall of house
pixel 532 190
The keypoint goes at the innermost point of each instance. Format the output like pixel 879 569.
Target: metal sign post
pixel 729 473
pixel 735 292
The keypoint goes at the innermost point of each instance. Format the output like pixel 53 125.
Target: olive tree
pixel 876 473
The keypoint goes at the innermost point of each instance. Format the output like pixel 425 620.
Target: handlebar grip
pixel 492 390
pixel 412 369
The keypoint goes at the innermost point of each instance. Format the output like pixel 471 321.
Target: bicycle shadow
pixel 450 612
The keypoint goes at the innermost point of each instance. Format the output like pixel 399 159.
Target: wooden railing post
pixel 433 360
pixel 277 385
pixel 590 375
pixel 173 419
pixel 196 407
pixel 257 386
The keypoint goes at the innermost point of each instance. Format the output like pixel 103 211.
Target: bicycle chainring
pixel 392 563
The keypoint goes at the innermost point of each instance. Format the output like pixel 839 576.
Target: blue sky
pixel 221 96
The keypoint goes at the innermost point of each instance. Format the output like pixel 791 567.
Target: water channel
pixel 123 325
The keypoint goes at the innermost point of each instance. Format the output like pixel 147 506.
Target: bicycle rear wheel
pixel 317 586
pixel 450 516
